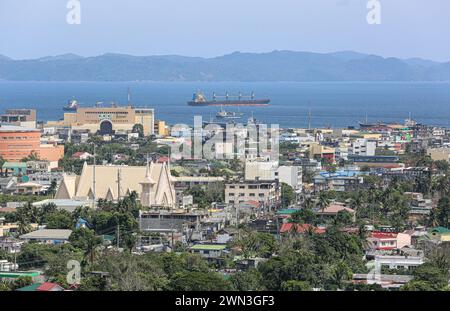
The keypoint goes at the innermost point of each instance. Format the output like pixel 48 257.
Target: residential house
pixel 48 236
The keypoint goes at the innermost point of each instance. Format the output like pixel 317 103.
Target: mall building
pixel 107 120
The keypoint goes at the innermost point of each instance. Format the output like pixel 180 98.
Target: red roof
pixel 384 235
pixel 163 160
pixel 253 203
pixel 79 154
pixel 47 286
pixel 301 228
pixel 335 208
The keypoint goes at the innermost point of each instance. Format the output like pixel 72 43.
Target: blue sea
pixel 334 104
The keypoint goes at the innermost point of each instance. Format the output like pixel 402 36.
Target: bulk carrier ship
pixel 199 99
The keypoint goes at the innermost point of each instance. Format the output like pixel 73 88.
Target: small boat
pixel 222 114
pixel 72 106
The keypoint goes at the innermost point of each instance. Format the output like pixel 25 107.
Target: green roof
pixel 108 237
pixel 209 247
pixel 440 230
pixel 14 165
pixel 15 275
pixel 29 288
pixel 287 211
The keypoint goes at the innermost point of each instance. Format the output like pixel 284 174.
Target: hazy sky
pixel 409 28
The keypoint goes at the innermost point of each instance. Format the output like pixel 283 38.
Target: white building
pixel 363 147
pixel 291 175
pixel 259 170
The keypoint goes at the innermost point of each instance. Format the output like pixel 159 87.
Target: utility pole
pixel 118 185
pixel 118 236
pixel 15 257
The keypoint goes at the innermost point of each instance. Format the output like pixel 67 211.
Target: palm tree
pixel 440 185
pixel 308 203
pixel 357 202
pixel 322 202
pixel 2 161
pixel 433 218
pixel 23 227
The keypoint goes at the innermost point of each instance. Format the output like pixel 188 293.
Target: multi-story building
pixel 291 175
pixel 338 181
pixel 19 117
pixel 17 142
pixel 264 192
pixel 107 120
pixel 262 170
pixel 362 147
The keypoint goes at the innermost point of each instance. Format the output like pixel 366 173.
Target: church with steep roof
pixel 153 183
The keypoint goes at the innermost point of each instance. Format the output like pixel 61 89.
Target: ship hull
pixel 69 109
pixel 258 102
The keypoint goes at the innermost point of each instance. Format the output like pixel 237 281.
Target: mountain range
pixel 237 66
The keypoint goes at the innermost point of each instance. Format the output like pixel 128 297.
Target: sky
pixel 208 28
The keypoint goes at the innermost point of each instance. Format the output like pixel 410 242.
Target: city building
pixel 107 120
pixel 317 151
pixel 19 117
pixel 260 170
pixel 17 143
pixel 264 192
pixel 290 175
pixel 348 180
pixel 362 147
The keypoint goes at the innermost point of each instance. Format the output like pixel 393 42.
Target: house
pixel 42 287
pixel 299 228
pixel 10 245
pixel 82 155
pixel 333 210
pixel 440 233
pixel 7 266
pixel 419 207
pixel 398 262
pixel 393 281
pixel 48 236
pixel 28 188
pixel 388 241
pixel 209 251
pixel 14 168
pixel 64 204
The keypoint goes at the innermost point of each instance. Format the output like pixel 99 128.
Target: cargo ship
pixel 199 99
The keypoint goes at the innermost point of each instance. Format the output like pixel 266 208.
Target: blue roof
pixel 342 173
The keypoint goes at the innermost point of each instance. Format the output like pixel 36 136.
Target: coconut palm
pixel 322 202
